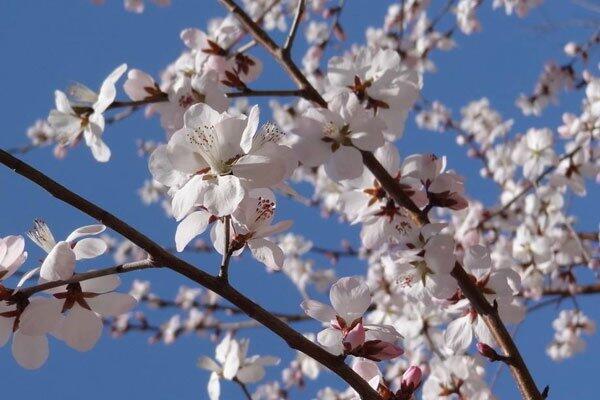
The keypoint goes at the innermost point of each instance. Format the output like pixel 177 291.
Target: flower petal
pixel 81 329
pixel 112 304
pixel 89 248
pixel 30 352
pixel 267 253
pixel 40 316
pixel 190 227
pixel 59 263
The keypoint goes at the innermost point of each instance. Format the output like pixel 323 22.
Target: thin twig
pixel 117 269
pixel 289 41
pixel 227 251
pixel 242 385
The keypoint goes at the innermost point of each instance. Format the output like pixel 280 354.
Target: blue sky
pixel 47 45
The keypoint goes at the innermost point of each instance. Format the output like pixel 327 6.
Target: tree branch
pixel 289 41
pixel 242 385
pixel 117 269
pixel 227 251
pixel 277 52
pixel 161 257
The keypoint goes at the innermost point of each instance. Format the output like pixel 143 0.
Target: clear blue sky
pixel 46 45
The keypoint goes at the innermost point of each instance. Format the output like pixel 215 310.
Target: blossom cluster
pixel 404 320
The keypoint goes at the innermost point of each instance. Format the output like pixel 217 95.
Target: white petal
pixel 209 364
pixel 190 227
pixel 100 150
pixel 25 278
pixel 112 304
pixel 200 114
pixel 89 248
pixel 162 169
pixel 259 171
pixel 275 228
pixel 317 310
pixel 267 253
pixel 81 329
pixel 350 297
pixel 214 387
pixel 102 284
pixel 186 197
pixel 250 129
pixel 223 198
pixel 108 91
pixel 14 255
pixel 232 362
pixel 345 163
pixel 330 337
pixel 59 263
pixel 482 332
pixel 40 316
pixel 251 373
pixel 30 352
pixel 88 230
pixel 459 334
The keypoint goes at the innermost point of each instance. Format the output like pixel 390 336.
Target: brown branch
pixel 585 289
pixel 242 385
pixel 289 41
pixel 227 251
pixel 161 257
pixel 117 269
pixel 277 52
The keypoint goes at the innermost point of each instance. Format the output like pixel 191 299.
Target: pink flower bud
pixel 354 338
pixel 382 351
pixel 411 379
pixel 488 352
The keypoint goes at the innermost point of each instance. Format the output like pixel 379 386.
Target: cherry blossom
pixel 84 305
pixel 422 266
pixel 60 262
pixel 232 363
pixel 569 326
pixel 457 376
pixel 380 81
pixel 70 124
pixel 12 255
pixel 499 287
pixel 534 152
pixel 346 333
pixel 215 157
pixel 335 136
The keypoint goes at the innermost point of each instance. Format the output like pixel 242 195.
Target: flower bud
pixel 354 338
pixel 382 351
pixel 411 379
pixel 488 352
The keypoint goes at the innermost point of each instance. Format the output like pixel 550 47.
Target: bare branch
pixel 227 250
pixel 117 269
pixel 289 41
